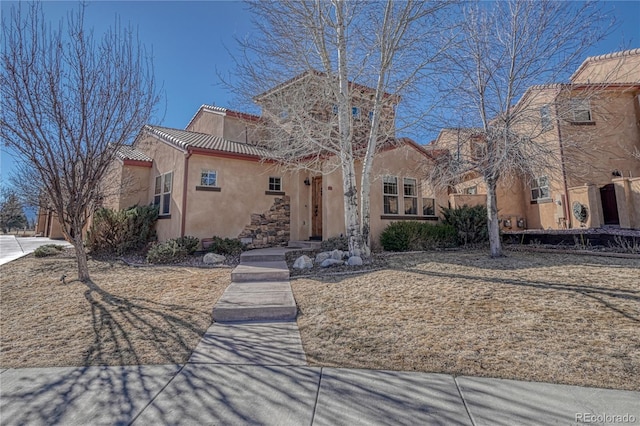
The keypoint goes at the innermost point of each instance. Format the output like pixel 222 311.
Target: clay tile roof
pixel 127 152
pixel 184 140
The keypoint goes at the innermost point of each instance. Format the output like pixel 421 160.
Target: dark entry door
pixel 609 205
pixel 316 205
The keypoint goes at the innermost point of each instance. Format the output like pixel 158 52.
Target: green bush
pixel 120 232
pixel 168 252
pixel 335 243
pixel 414 235
pixel 189 243
pixel 469 222
pixel 226 246
pixel 47 250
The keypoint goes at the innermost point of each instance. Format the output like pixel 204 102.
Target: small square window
pixel 355 111
pixel 581 109
pixel 540 188
pixel 472 190
pixel 428 207
pixel 208 178
pixel 370 115
pixel 275 184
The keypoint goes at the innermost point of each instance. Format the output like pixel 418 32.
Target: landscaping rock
pixel 213 259
pixel 303 262
pixel 331 262
pixel 321 257
pixel 356 252
pixel 354 261
pixel 337 254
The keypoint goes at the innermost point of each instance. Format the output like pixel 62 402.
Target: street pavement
pixel 12 247
pixel 256 373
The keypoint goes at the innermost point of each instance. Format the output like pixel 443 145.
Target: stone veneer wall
pixel 271 228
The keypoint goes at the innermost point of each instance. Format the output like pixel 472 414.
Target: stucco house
pixel 592 124
pixel 216 177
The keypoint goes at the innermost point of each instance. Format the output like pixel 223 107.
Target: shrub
pixel 189 243
pixel 47 250
pixel 168 252
pixel 335 243
pixel 469 222
pixel 119 232
pixel 226 246
pixel 414 235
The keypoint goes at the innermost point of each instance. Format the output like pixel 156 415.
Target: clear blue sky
pixel 189 39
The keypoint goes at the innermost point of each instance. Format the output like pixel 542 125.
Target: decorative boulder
pixel 337 254
pixel 303 262
pixel 331 262
pixel 321 257
pixel 213 259
pixel 357 252
pixel 354 261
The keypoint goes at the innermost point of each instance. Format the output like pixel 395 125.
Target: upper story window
pixel 390 194
pixel 355 112
pixel 162 193
pixel 209 178
pixel 410 196
pixel 471 190
pixel 540 188
pixel 478 150
pixel 275 183
pixel 581 110
pixel 370 115
pixel 545 118
pixel 334 108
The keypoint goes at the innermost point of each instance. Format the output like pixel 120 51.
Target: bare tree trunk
pixel 493 222
pixel 81 256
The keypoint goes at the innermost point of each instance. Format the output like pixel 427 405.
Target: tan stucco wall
pixel 242 193
pixel 135 186
pixel 165 159
pixel 209 122
pixel 613 69
pixel 588 195
pixel 628 200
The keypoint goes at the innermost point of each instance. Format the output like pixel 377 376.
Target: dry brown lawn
pixel 531 316
pixel 126 315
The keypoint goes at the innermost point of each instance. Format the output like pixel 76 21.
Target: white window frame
pixel 580 107
pixel 540 189
pixel 410 196
pixel 470 190
pixel 275 183
pixel 205 178
pixel 162 193
pixel 388 184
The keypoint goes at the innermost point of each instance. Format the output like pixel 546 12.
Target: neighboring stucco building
pixel 592 126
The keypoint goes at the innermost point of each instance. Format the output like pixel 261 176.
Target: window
pixel 581 110
pixel 335 109
pixel 472 190
pixel 540 188
pixel 428 206
pixel 275 184
pixel 390 194
pixel 355 112
pixel 410 196
pixel 370 115
pixel 209 178
pixel 162 193
pixel 545 118
pixel 478 150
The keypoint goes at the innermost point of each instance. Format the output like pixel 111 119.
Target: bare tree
pixel 350 63
pixel 68 101
pixel 503 49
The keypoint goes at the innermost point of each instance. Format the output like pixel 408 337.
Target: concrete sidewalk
pixel 256 373
pixel 12 247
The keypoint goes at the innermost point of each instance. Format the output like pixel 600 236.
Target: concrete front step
pixel 310 245
pixel 258 256
pixel 255 301
pixel 261 271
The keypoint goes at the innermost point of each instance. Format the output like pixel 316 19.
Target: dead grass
pixel 126 315
pixel 555 318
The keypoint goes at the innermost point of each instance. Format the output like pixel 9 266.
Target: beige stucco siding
pixel 166 159
pixel 209 122
pixel 242 187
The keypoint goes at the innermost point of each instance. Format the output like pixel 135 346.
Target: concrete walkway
pixel 256 373
pixel 12 247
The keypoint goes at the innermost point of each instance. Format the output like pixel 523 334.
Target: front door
pixel 609 205
pixel 316 208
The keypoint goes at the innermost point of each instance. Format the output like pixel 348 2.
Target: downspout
pixel 567 213
pixel 184 192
